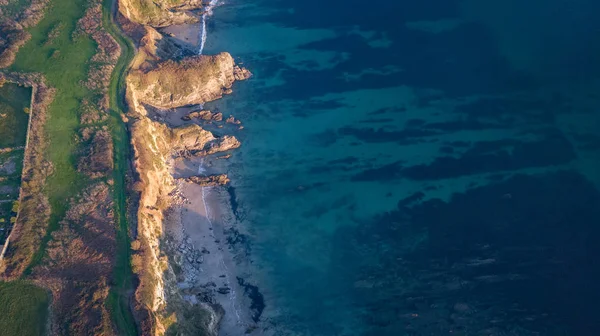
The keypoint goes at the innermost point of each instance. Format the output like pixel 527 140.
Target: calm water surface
pixel 417 167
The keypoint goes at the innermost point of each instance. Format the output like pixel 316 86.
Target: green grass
pixel 64 72
pixel 64 63
pixel 13 119
pixel 23 309
pixel 118 297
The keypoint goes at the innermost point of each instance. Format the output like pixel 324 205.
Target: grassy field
pixel 23 309
pixel 64 62
pixel 119 294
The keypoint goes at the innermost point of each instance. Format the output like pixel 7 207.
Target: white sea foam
pixel 207 12
pixel 202 169
pixel 232 293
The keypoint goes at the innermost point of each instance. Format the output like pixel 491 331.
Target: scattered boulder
pixel 224 290
pixel 241 73
pixel 209 181
pixel 203 115
pixel 232 120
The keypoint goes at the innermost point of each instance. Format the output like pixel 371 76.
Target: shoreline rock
pixel 209 181
pixel 203 115
pixel 154 80
pixel 194 80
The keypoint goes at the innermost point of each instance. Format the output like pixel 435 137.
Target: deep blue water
pixel 417 167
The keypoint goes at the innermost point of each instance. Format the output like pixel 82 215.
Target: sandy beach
pixel 208 271
pixel 186 34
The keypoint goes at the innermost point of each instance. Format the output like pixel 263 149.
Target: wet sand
pixel 186 34
pixel 208 267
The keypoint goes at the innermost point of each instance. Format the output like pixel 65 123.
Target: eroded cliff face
pixel 155 145
pixel 155 81
pixel 193 80
pixel 153 48
pixel 161 13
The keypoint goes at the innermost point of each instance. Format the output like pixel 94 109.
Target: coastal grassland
pixel 118 299
pixel 63 61
pixel 66 60
pixel 23 309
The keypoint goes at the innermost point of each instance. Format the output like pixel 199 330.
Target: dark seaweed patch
pixel 257 304
pixel 518 256
pixel 387 172
pixel 494 156
pixel 233 201
pixel 374 135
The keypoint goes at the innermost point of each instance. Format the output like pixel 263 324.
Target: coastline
pixel 189 279
pixel 198 244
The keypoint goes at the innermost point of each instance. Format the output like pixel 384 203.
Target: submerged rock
pixel 232 120
pixel 224 290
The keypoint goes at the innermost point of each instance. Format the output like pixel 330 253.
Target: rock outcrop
pixel 154 146
pixel 154 81
pixel 209 181
pixel 203 115
pixel 193 80
pixel 153 48
pixel 161 13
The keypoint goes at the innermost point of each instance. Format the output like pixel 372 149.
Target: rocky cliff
pixel 193 80
pixel 155 145
pixel 161 13
pixel 154 80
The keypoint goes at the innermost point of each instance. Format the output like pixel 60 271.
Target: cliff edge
pixel 161 13
pixel 193 80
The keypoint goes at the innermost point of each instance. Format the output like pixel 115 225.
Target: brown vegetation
pixel 78 261
pixel 78 265
pixel 91 114
pixel 13 34
pixel 34 210
pixel 11 39
pixel 97 158
pixel 108 51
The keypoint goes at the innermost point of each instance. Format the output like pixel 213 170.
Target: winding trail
pixel 122 290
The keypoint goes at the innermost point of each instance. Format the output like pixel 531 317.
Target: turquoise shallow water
pixel 417 168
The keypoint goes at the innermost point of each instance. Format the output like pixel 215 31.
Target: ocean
pixel 416 167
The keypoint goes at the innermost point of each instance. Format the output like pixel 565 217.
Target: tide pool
pixel 417 168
